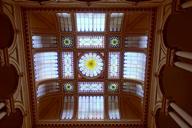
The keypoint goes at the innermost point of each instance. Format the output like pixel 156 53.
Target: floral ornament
pixel 91 65
pixel 113 87
pixel 68 87
pixel 114 42
pixel 67 42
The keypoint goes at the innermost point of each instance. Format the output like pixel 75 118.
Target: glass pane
pixel 65 22
pixel 114 65
pixel 44 41
pixel 113 87
pixel 133 88
pixel 91 87
pixel 90 22
pixel 113 107
pixel 136 41
pixel 116 21
pixel 67 59
pixel 114 42
pixel 90 41
pixel 46 65
pixel 91 65
pixel 68 87
pixel 134 65
pixel 46 88
pixel 91 107
pixel 67 42
pixel 68 108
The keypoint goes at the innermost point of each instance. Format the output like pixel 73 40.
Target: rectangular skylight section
pixel 46 88
pixel 65 22
pixel 116 21
pixel 67 59
pixel 90 41
pixel 90 87
pixel 134 65
pixel 136 41
pixel 90 22
pixel 44 41
pixel 113 108
pixel 91 107
pixel 114 65
pixel 68 107
pixel 46 65
pixel 133 88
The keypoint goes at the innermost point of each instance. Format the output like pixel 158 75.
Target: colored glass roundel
pixel 90 65
pixel 114 42
pixel 67 42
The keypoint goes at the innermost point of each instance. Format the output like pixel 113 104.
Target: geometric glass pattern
pixel 134 65
pixel 46 65
pixel 67 59
pixel 114 42
pixel 116 21
pixel 90 22
pixel 44 41
pixel 67 41
pixel 90 87
pixel 65 22
pixel 114 65
pixel 113 108
pixel 112 87
pixel 136 41
pixel 68 108
pixel 90 42
pixel 90 65
pixel 68 87
pixel 91 107
pixel 133 88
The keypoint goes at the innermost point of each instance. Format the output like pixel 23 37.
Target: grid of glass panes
pixel 91 107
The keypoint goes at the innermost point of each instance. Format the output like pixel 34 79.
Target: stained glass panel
pixel 68 87
pixel 46 65
pixel 114 65
pixel 133 88
pixel 44 41
pixel 136 41
pixel 46 88
pixel 113 87
pixel 116 21
pixel 67 42
pixel 134 65
pixel 91 65
pixel 91 107
pixel 114 42
pixel 68 69
pixel 90 42
pixel 113 108
pixel 65 22
pixel 90 22
pixel 68 108
pixel 91 87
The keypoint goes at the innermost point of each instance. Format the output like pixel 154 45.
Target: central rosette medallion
pixel 91 65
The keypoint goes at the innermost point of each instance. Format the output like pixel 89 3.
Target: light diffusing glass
pixel 46 65
pixel 65 22
pixel 114 62
pixel 90 22
pixel 44 41
pixel 68 108
pixel 116 21
pixel 134 65
pixel 91 87
pixel 136 41
pixel 67 59
pixel 90 41
pixel 90 65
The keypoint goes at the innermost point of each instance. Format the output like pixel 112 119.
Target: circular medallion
pixel 91 65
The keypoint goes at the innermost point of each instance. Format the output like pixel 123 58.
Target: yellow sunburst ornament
pixel 91 64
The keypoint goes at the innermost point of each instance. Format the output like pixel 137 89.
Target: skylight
pixel 91 63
